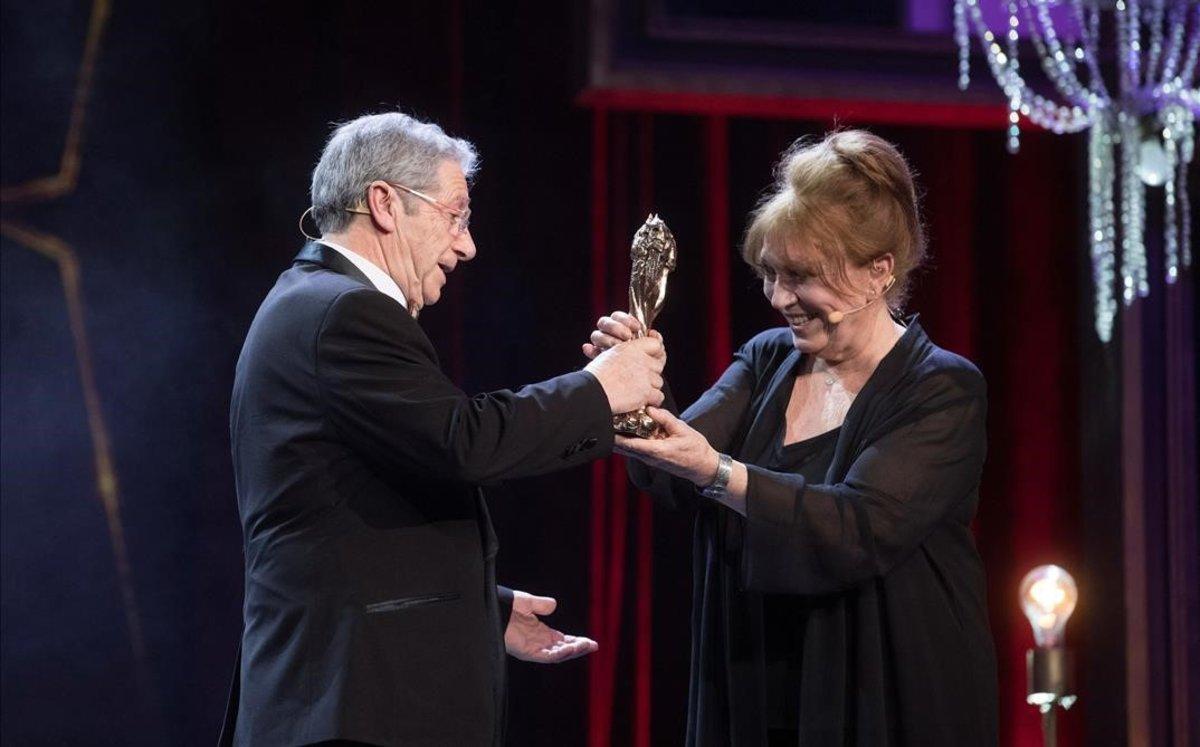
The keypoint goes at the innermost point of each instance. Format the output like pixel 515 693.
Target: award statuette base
pixel 637 424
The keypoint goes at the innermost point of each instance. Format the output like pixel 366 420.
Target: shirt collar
pixel 380 279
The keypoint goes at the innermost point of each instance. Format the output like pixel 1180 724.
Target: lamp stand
pixel 1050 683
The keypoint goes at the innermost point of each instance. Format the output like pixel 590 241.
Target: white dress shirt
pixel 380 279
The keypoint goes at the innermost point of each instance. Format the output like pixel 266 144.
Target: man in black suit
pixel 372 613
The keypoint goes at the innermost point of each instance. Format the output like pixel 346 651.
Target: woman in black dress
pixel 834 471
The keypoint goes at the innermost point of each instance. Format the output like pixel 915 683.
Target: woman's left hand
pixel 683 451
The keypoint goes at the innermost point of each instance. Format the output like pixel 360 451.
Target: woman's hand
pixel 613 329
pixel 683 451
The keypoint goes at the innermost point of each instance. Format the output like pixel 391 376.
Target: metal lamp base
pixel 1050 682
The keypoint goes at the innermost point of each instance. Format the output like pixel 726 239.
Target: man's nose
pixel 464 247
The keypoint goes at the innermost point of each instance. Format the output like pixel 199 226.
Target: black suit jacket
pixel 371 607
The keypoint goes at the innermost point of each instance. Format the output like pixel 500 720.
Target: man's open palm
pixel 529 639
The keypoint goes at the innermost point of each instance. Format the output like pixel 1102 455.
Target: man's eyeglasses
pixel 460 220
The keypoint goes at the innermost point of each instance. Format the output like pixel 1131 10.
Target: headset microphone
pixel 836 317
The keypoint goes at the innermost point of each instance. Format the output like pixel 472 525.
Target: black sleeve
pixel 811 539
pixel 504 596
pixel 385 393
pixel 718 414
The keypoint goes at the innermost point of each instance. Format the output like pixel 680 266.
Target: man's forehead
pixel 451 178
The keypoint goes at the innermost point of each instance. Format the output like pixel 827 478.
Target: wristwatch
pixel 716 488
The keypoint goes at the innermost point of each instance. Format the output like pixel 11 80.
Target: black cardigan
pixel 896 647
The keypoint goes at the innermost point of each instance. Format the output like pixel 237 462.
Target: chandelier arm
pixel 1133 18
pixel 1056 63
pixel 1089 31
pixel 1128 56
pixel 1167 95
pixel 1188 98
pixel 1188 72
pixel 1157 10
pixel 1055 117
pixel 1177 22
pixel 1042 111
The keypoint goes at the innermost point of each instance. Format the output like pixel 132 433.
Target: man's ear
pixel 380 200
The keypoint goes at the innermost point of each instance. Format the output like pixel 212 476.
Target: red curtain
pixel 1001 288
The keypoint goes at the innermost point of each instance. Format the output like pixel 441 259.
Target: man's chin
pixel 431 293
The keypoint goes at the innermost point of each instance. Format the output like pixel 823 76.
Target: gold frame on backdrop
pixel 44 189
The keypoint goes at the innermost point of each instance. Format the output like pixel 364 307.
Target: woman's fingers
pixel 619 330
pixel 642 448
pixel 671 424
pixel 602 340
pixel 628 320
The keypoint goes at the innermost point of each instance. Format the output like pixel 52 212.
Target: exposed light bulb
pixel 1048 597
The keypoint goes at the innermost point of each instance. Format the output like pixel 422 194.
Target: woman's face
pixel 793 283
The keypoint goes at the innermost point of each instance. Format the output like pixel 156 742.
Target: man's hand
pixel 631 373
pixel 529 639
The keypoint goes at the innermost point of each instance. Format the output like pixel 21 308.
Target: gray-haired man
pixel 371 610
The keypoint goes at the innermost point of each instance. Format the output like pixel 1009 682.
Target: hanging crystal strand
pixel 1108 185
pixel 1040 110
pixel 1133 60
pixel 963 38
pixel 1177 23
pixel 1014 124
pixel 1138 191
pixel 1155 20
pixel 1014 75
pixel 1185 215
pixel 1133 248
pixel 1127 83
pixel 1188 71
pixel 1186 149
pixel 1167 120
pixel 1100 189
pixel 1057 63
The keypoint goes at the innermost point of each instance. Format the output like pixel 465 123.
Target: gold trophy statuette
pixel 653 258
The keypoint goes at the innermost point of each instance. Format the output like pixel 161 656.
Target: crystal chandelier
pixel 1141 132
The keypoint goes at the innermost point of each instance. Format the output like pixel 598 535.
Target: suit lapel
pixel 332 259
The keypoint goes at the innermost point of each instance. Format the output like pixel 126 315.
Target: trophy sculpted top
pixel 652 258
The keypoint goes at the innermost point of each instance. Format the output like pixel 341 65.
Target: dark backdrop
pixel 202 126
